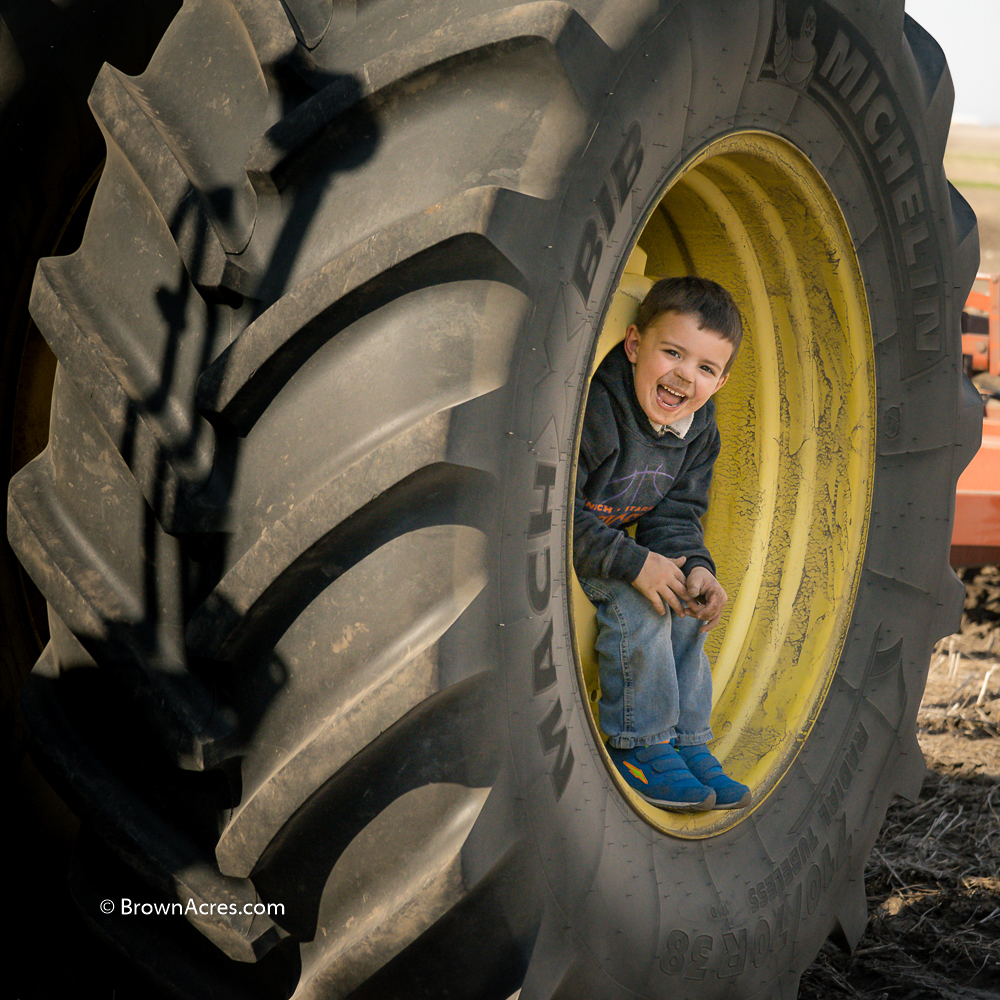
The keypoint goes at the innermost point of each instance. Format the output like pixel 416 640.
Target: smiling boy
pixel 647 451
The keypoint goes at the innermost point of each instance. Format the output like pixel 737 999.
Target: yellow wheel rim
pixel 790 503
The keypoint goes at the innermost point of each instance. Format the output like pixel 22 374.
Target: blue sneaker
pixel 729 794
pixel 662 778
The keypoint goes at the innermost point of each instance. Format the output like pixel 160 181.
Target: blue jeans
pixel 656 684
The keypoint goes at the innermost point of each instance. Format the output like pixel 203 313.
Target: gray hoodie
pixel 628 473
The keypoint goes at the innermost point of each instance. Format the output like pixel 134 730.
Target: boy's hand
pixel 706 598
pixel 661 580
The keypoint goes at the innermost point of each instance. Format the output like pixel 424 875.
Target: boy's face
pixel 678 366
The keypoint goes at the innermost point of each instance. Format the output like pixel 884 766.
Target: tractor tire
pixel 314 680
pixel 49 57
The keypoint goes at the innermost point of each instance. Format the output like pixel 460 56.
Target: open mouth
pixel 669 397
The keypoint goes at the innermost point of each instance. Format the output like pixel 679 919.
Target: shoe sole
pixel 742 804
pixel 703 806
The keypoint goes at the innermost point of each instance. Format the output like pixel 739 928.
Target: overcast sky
pixel 969 33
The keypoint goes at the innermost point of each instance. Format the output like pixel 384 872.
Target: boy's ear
pixel 722 382
pixel 632 343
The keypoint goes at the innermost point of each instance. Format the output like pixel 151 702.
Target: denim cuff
pixel 623 741
pixel 693 739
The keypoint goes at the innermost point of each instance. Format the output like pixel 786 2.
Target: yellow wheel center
pixel 791 497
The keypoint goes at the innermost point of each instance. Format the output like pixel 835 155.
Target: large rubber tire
pixel 52 153
pixel 302 519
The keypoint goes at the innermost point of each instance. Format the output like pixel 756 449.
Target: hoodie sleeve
pixel 600 550
pixel 673 527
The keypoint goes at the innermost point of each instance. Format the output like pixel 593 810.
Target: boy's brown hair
pixel 708 300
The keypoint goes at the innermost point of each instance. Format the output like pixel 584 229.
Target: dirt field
pixel 972 161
